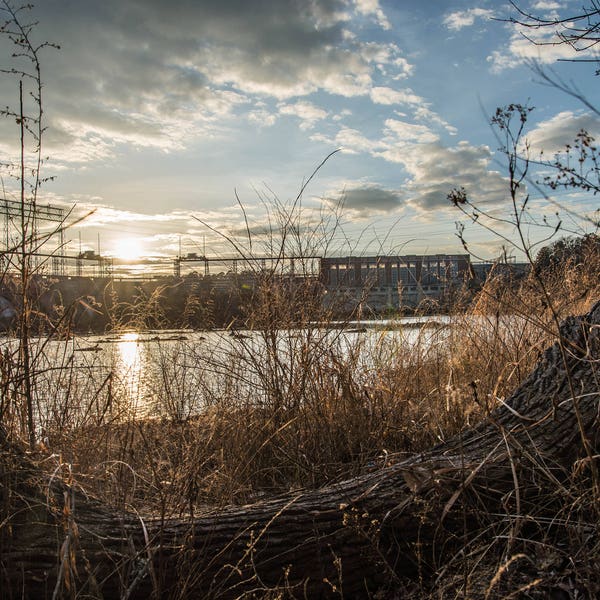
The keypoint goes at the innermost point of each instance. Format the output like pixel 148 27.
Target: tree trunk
pixel 350 538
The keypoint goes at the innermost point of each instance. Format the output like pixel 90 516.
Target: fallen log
pixel 353 537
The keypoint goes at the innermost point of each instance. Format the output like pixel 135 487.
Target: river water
pixel 177 373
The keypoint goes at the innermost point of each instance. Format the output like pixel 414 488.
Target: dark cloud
pixel 363 201
pixel 553 135
pixel 254 231
pixel 437 169
pixel 153 71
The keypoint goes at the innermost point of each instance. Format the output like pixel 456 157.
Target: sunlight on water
pixel 175 373
pixel 130 367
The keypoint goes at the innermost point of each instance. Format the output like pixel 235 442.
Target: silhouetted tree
pixel 570 250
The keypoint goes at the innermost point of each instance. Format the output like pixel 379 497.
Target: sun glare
pixel 128 249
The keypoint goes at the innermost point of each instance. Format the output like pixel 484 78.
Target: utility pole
pixel 78 263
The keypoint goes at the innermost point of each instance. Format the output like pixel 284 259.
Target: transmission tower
pixel 12 209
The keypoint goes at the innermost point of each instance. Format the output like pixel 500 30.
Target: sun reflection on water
pixel 129 367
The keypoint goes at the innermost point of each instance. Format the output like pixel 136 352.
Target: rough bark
pixel 352 536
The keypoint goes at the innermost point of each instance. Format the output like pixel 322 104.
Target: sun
pixel 128 249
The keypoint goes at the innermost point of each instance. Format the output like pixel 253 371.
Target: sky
pixel 204 125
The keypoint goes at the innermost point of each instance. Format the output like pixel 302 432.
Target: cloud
pixel 459 19
pixel 527 44
pixel 552 135
pixel 546 5
pixel 261 116
pixel 432 168
pixel 397 135
pixel 388 58
pixel 156 229
pixel 386 95
pixel 345 112
pixel 153 74
pixel 436 169
pixel 104 215
pixel 400 133
pixel 350 141
pixel 371 7
pixel 308 113
pixel 423 113
pixel 365 200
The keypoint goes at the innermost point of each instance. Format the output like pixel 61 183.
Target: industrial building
pixel 393 282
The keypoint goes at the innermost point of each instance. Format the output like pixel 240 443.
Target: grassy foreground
pixel 320 407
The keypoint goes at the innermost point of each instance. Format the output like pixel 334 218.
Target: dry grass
pixel 297 406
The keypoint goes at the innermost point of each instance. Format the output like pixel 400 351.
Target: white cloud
pixel 371 7
pixel 349 141
pixel 262 117
pixel 399 133
pixel 386 95
pixel 424 113
pixel 433 171
pixel 388 58
pixel 346 112
pixel 546 5
pixel 530 44
pixel 436 169
pixel 455 21
pixel 104 215
pixel 405 68
pixel 80 133
pixel 352 141
pixel 432 168
pixel 308 113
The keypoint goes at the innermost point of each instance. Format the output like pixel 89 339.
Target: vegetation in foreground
pixel 318 413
